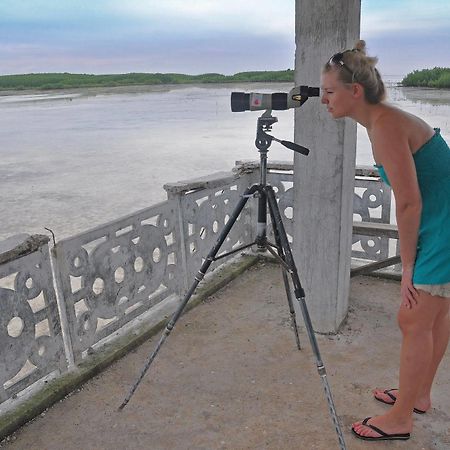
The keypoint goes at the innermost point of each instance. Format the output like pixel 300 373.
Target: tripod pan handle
pixel 297 148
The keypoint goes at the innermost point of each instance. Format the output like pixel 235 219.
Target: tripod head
pixel 241 101
pixel 263 140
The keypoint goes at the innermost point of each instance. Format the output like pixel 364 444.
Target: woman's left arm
pixel 393 152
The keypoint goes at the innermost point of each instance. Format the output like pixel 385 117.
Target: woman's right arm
pixel 393 152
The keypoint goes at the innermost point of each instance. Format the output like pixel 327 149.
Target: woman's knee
pixel 422 316
pixel 413 322
pixel 415 329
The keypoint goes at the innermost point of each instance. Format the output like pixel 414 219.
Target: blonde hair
pixel 360 69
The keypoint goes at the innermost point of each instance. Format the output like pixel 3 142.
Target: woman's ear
pixel 357 90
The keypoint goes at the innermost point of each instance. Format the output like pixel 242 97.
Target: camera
pixel 253 101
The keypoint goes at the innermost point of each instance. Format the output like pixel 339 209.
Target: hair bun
pixel 361 46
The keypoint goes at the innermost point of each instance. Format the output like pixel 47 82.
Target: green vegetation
pixel 439 77
pixel 69 80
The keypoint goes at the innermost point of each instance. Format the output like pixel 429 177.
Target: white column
pixel 323 181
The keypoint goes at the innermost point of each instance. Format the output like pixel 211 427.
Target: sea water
pixel 71 160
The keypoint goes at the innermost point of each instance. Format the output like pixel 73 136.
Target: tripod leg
pixel 286 282
pixel 201 273
pixel 300 296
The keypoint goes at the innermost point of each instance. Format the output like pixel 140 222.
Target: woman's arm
pixel 393 152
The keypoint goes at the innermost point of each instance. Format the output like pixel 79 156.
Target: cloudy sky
pixel 198 36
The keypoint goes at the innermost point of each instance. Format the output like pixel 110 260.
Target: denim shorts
pixel 441 290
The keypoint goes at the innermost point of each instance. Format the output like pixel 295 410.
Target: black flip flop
pixel 383 436
pixel 388 393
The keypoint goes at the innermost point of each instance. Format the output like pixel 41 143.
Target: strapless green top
pixel 432 163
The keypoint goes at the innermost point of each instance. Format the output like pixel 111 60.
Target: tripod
pixel 280 250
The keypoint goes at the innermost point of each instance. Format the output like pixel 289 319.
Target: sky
pixel 200 36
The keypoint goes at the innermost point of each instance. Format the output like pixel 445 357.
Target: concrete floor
pixel 230 377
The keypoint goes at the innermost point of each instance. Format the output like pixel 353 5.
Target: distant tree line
pixel 70 80
pixel 439 77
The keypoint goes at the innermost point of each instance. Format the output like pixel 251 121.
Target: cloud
pixel 404 16
pixel 254 16
pixel 261 17
pixel 400 54
pixel 147 35
pixel 228 54
pixel 99 36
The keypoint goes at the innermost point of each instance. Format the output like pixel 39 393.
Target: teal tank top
pixel 432 163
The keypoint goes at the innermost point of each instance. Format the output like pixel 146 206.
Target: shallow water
pixel 75 159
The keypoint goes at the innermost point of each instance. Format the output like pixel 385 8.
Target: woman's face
pixel 336 95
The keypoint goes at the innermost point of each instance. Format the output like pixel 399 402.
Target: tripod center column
pixel 324 182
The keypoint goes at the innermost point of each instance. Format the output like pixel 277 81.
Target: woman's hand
pixel 409 293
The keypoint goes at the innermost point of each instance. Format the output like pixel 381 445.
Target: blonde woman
pixel 415 160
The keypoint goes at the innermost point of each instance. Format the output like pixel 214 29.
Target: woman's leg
pixel 441 334
pixel 416 358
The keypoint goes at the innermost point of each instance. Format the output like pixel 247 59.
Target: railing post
pixel 178 197
pixel 61 306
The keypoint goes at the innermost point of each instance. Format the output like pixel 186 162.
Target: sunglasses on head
pixel 338 60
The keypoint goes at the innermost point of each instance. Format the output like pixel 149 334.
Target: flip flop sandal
pixel 394 398
pixel 383 436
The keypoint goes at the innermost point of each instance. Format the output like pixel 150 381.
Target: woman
pixel 415 160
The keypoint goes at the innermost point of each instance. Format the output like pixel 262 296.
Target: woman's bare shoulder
pixel 391 117
pixel 396 125
pixel 389 125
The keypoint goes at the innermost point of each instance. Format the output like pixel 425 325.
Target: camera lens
pixel 240 101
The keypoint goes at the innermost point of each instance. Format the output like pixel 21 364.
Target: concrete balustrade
pixel 59 306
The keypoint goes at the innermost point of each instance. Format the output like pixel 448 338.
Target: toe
pixel 381 394
pixel 359 428
pixel 368 432
pixel 364 430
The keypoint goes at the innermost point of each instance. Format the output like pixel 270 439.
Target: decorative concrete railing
pixel 57 307
pixel 371 204
pixel 31 343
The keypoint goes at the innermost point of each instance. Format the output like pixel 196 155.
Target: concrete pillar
pixel 323 181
